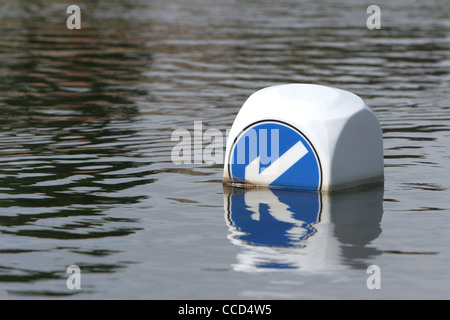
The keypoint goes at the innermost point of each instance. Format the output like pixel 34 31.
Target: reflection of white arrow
pixel 277 168
pixel 279 210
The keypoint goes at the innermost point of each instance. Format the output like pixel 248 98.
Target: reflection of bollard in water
pixel 304 136
pixel 287 229
pixel 256 211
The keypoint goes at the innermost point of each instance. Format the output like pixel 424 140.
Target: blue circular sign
pixel 275 154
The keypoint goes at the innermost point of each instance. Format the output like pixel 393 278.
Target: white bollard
pixel 304 136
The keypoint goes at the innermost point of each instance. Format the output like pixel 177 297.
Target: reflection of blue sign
pixel 275 218
pixel 271 153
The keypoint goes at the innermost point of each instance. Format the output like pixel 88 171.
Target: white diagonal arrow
pixel 276 169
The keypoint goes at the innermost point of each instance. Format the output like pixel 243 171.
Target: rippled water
pixel 86 176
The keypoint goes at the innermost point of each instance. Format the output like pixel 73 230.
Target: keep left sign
pixel 273 153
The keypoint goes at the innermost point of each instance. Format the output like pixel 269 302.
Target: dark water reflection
pixel 86 118
pixel 68 146
pixel 67 103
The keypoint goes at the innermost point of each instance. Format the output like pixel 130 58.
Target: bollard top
pixel 306 100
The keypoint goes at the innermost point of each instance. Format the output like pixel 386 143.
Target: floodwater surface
pixel 87 177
